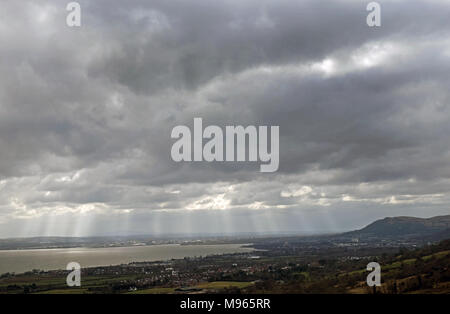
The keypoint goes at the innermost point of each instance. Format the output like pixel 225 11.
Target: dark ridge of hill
pixel 406 226
pixel 438 236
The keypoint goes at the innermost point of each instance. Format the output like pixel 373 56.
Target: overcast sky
pixel 86 114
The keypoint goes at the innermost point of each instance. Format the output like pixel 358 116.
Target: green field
pixel 224 284
pixel 206 286
pixel 153 291
pixel 63 291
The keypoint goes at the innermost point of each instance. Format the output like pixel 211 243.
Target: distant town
pixel 411 262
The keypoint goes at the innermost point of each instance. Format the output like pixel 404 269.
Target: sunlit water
pixel 20 261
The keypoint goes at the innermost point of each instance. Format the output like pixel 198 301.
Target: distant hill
pixel 406 227
pixel 438 236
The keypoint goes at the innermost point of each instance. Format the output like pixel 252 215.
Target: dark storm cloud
pixel 184 44
pixel 86 114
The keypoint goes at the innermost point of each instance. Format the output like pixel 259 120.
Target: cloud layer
pixel 86 114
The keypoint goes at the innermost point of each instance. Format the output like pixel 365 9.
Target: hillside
pixel 421 270
pixel 406 227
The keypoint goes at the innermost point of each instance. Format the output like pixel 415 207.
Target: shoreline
pixel 113 256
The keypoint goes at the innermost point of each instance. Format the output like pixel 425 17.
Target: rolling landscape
pixel 414 254
pixel 225 155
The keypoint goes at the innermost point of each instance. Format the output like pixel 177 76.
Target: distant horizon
pixel 192 236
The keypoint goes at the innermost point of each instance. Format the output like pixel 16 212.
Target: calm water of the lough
pixel 20 261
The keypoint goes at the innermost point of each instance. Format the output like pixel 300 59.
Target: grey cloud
pixel 86 114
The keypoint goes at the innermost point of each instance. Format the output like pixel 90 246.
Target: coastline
pixel 54 259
